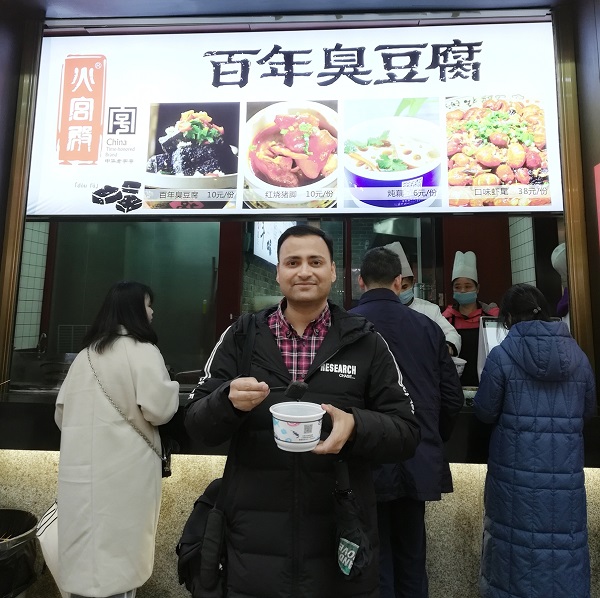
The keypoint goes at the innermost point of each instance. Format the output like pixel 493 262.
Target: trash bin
pixel 17 552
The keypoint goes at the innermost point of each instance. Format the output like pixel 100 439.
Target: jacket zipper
pixel 340 347
pixel 322 363
pixel 296 523
pixel 296 527
pixel 296 508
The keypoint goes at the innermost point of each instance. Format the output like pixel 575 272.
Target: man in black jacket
pixel 279 505
pixel 430 376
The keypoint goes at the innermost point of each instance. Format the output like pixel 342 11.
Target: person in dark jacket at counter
pixel 279 506
pixel 537 387
pixel 430 376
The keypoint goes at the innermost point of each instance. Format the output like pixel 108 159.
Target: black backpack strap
pixel 249 328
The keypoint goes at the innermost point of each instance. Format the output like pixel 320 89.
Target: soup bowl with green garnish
pixel 393 162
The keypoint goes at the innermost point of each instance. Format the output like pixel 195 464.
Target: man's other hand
pixel 343 429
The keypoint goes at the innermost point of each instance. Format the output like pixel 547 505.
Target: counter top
pixel 27 422
pixel 46 396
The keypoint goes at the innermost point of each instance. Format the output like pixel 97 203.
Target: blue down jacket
pixel 537 387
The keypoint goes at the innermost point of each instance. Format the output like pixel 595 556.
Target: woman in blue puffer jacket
pixel 537 387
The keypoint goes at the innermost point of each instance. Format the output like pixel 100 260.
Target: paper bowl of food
pixel 297 425
pixel 460 365
pixel 292 152
pixel 382 155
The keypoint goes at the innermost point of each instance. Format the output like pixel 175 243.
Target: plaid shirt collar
pixel 318 327
pixel 298 352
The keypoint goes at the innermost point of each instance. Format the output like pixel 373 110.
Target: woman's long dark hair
pixel 523 302
pixel 124 305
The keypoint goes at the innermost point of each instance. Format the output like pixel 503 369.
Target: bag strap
pixel 342 476
pixel 249 324
pixel 249 327
pixel 118 409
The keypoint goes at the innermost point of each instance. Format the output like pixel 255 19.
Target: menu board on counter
pixel 419 119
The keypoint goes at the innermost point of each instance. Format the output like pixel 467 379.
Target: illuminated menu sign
pixel 430 120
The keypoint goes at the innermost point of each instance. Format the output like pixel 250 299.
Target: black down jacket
pixel 279 505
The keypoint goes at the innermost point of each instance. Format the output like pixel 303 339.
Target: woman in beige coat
pixel 109 479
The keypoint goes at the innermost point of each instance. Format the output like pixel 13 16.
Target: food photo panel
pixel 393 151
pixel 497 155
pixel 290 155
pixel 192 155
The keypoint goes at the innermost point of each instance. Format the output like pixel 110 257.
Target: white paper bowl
pixel 197 181
pixel 460 365
pixel 297 425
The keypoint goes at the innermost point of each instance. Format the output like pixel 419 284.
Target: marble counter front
pixel 28 481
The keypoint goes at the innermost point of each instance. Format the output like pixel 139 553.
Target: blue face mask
pixel 465 298
pixel 407 296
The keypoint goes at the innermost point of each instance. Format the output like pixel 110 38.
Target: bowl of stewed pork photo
pixel 291 155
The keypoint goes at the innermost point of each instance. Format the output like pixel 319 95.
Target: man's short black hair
pixel 380 266
pixel 304 230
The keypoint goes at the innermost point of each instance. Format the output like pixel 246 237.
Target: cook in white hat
pixel 431 310
pixel 559 263
pixel 407 295
pixel 465 282
pixel 466 311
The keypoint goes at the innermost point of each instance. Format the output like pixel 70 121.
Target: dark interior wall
pixel 10 64
pixel 488 237
pixel 259 281
pixel 229 286
pixel 588 88
pixel 174 258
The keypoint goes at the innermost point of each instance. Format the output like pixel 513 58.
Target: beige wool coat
pixel 109 479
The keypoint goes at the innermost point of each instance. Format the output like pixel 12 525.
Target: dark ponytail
pixel 523 302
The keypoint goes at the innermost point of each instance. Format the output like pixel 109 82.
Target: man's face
pixel 305 271
pixel 407 283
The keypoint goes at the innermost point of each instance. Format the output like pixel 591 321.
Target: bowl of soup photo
pixel 292 151
pixel 383 155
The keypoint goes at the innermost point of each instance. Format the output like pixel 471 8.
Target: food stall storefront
pixel 180 165
pixel 184 180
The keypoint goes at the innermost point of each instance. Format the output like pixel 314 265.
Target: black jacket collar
pixel 345 329
pixel 379 295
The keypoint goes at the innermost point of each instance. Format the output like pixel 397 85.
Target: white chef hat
pixel 559 262
pixel 397 249
pixel 465 266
